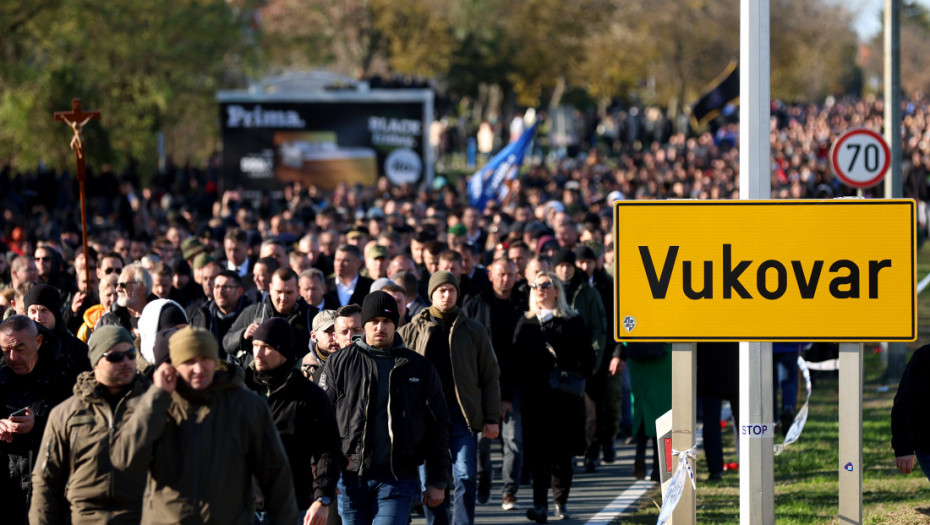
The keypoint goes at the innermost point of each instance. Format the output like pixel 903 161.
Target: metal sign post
pixel 850 453
pixel 684 416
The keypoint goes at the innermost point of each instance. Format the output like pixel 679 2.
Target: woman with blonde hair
pixel 553 353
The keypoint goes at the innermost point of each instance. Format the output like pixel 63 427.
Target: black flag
pixel 722 91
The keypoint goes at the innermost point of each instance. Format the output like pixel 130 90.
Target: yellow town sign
pixel 836 270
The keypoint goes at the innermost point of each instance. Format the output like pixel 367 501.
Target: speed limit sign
pixel 860 157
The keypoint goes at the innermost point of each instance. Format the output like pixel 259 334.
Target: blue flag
pixel 488 183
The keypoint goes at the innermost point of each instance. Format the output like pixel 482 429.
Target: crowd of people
pixel 347 355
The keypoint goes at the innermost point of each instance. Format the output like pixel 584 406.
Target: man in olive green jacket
pixel 73 478
pixel 203 437
pixel 461 351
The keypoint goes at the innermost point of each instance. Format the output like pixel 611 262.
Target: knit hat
pixel 324 320
pixel 543 243
pixel 189 343
pixel 564 256
pixel 47 296
pixel 276 333
pixel 103 339
pixel 379 304
pixel 440 278
pixel 161 351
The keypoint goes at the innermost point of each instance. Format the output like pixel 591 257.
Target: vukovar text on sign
pixel 838 270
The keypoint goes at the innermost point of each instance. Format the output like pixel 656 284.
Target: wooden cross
pixel 77 118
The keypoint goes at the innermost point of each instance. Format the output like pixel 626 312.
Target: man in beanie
pixel 303 415
pixel 43 305
pixel 587 302
pixel 75 450
pixel 322 344
pixel 391 415
pixel 204 438
pixel 460 349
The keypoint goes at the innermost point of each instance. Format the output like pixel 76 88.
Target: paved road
pixel 590 493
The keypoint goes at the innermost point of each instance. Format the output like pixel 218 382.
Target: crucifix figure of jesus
pixel 77 118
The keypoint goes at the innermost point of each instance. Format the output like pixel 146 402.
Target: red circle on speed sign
pixel 860 157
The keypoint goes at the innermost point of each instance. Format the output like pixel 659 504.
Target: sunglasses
pixel 125 285
pixel 118 357
pixel 113 269
pixel 541 286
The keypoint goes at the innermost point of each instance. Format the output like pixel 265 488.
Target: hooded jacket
pixel 202 449
pixel 74 478
pixel 474 364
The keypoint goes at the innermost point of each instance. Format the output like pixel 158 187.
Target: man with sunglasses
pixel 76 444
pixel 133 291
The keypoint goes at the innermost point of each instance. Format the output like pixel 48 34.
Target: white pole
pixel 850 449
pixel 894 185
pixel 757 478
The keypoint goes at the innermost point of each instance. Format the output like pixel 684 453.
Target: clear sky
pixel 868 22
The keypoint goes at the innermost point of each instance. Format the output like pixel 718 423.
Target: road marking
pixel 627 499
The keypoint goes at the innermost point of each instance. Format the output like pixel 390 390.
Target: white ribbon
pixel 794 432
pixel 677 485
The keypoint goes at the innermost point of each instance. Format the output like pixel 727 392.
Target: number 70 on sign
pixel 860 157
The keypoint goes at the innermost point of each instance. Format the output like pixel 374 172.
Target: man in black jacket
pixel 34 377
pixel 219 313
pixel 498 309
pixel 388 428
pixel 302 414
pixel 283 301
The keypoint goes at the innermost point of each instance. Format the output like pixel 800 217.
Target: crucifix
pixel 77 118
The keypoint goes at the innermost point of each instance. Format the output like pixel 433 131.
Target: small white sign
pixel 757 430
pixel 860 157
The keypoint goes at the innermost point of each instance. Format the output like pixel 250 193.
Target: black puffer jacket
pixel 418 414
pixel 306 423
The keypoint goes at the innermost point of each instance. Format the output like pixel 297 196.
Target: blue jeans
pixel 463 444
pixel 380 500
pixel 923 459
pixel 512 442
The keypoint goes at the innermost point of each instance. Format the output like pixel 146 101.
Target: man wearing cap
pixel 303 416
pixel 191 248
pixel 461 351
pixel 376 261
pixel 346 283
pixel 43 305
pixel 392 417
pixel 322 344
pixel 587 302
pixel 203 439
pixel 74 479
pixel 33 379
